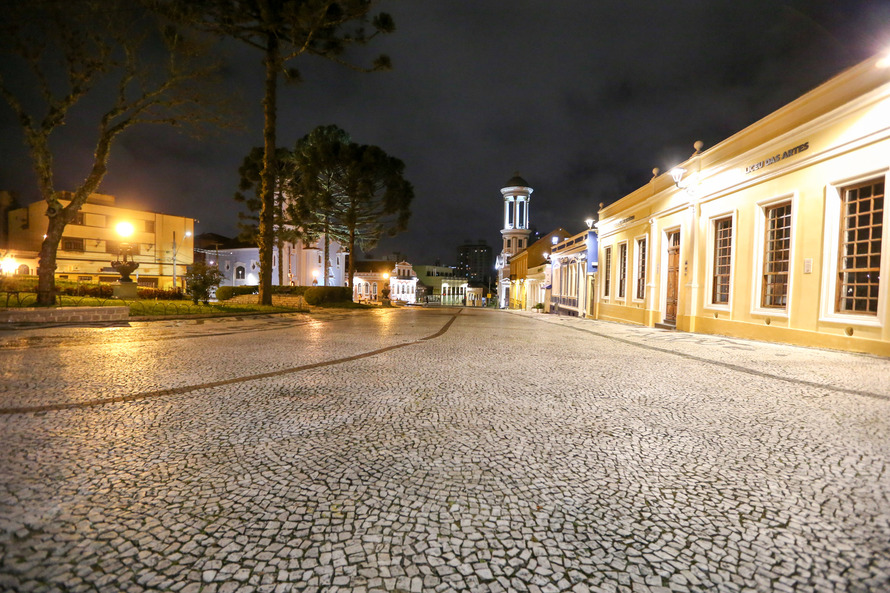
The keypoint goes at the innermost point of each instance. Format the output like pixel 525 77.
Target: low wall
pixel 279 300
pixel 64 315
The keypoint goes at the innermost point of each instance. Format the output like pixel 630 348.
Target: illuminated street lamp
pixel 122 266
pixel 589 223
pixel 125 288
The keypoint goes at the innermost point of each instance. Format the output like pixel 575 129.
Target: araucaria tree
pixel 358 191
pixel 250 194
pixel 59 54
pixel 284 30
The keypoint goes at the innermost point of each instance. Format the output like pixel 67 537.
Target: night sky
pixel 581 97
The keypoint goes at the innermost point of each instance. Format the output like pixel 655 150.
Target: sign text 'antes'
pixel 775 159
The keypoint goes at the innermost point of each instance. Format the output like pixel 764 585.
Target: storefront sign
pixel 775 159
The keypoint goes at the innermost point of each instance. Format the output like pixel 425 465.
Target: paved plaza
pixel 409 450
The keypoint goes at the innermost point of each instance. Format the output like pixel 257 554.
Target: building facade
pixel 303 264
pixel 162 244
pixel 517 196
pixel 443 285
pixel 475 261
pixel 573 266
pixel 775 233
pixel 403 284
pixel 373 277
pixel 530 273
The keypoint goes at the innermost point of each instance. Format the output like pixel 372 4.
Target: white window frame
pixel 618 283
pixel 832 244
pixel 636 268
pixel 712 219
pixel 757 269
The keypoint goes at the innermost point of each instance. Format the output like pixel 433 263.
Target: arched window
pixel 239 273
pixel 23 270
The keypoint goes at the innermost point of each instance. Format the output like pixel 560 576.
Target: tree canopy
pixel 59 54
pixel 284 30
pixel 354 193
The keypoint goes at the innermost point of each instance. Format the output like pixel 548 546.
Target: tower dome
pixel 516 181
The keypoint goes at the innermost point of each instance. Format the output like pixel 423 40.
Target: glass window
pixel 607 271
pixel 239 273
pixel 72 244
pixel 722 260
pixel 776 256
pixel 622 270
pixel 641 269
pixel 860 247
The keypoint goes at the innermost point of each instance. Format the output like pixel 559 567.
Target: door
pixel 673 277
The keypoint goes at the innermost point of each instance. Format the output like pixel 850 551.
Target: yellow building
pixel 773 234
pixel 161 243
pixel 529 272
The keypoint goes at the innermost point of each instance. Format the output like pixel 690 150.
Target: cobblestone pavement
pixel 437 450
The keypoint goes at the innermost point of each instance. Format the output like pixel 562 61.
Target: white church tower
pixel 517 195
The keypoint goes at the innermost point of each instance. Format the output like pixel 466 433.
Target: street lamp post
pixel 125 288
pixel 175 251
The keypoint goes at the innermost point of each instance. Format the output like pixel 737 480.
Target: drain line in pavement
pixel 214 384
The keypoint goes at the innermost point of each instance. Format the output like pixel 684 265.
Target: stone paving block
pixel 276 455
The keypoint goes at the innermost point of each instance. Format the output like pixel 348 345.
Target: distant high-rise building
pixel 474 261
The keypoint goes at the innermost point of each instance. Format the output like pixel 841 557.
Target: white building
pixel 517 195
pixel 303 264
pixel 403 283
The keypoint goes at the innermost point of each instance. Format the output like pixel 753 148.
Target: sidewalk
pixel 848 372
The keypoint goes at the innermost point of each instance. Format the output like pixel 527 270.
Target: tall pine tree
pixel 284 30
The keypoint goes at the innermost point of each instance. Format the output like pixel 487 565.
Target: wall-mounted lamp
pixel 554 240
pixel 677 175
pixel 688 187
pixel 589 223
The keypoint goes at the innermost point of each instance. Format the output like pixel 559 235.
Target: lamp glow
pixel 124 229
pixel 589 223
pixel 8 265
pixel 677 175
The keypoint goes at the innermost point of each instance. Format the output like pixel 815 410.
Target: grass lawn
pixel 146 308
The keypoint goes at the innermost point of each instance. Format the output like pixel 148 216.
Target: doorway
pixel 673 277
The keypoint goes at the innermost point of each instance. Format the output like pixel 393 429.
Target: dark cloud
pixel 582 98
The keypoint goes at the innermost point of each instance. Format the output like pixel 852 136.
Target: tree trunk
pixel 351 266
pixel 46 268
pixel 280 264
pixel 267 212
pixel 327 249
